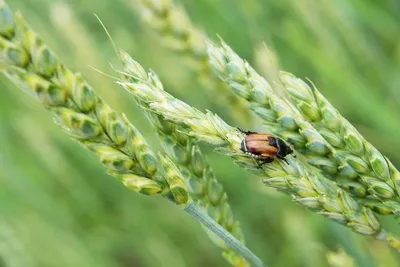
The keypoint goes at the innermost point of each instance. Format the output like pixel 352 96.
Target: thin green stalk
pixel 198 214
pixel 283 119
pixel 203 186
pixel 85 117
pixel 174 27
pixel 308 188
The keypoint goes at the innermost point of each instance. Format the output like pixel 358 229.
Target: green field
pixel 59 208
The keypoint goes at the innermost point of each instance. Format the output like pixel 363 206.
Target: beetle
pixel 264 147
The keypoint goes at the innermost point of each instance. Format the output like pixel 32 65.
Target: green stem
pixel 199 215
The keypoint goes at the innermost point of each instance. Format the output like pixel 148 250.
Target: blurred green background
pixel 58 208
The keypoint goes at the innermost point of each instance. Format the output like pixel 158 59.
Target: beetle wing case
pixel 264 147
pixel 260 144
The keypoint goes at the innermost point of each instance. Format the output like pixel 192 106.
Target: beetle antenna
pixel 240 130
pixel 264 162
pixel 244 132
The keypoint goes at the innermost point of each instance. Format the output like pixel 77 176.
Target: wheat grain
pixel 203 187
pixel 307 188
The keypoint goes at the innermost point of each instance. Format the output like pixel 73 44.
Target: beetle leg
pixel 258 164
pixel 281 158
pixel 265 160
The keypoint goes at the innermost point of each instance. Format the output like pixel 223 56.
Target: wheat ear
pixel 375 172
pixel 27 62
pixel 172 24
pixel 307 188
pixel 283 119
pixel 203 187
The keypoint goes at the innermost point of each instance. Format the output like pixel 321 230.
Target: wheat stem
pixel 197 213
pixel 308 188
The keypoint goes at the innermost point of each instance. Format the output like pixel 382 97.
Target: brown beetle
pixel 264 147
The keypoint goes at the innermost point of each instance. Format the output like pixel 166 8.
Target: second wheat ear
pixel 374 176
pixel 317 130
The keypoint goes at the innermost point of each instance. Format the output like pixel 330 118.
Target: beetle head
pixel 283 148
